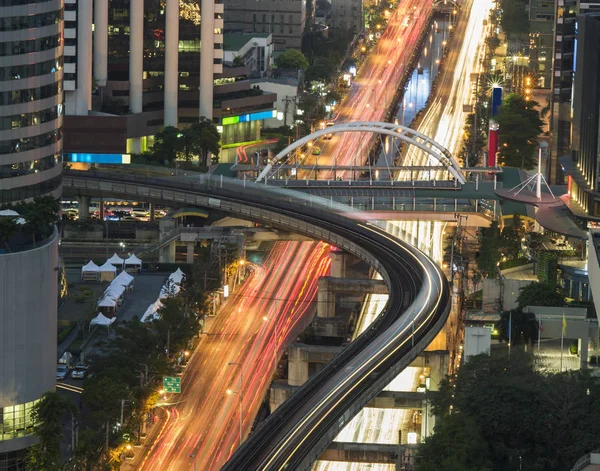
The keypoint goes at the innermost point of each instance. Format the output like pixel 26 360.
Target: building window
pixel 16 420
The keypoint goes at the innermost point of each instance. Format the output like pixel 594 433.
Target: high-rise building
pixel 31 99
pixel 562 78
pixel 583 166
pixel 31 126
pixel 143 68
pixel 541 40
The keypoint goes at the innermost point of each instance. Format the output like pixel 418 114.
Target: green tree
pixel 200 139
pixel 238 61
pixel 511 237
pixel 323 68
pixel 8 228
pixel 47 414
pixel 540 294
pixel 456 445
pixel 291 59
pixel 520 126
pixel 489 251
pixel 524 327
pixel 168 144
pixel 514 17
pixel 40 215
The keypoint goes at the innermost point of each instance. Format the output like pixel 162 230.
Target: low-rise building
pixel 255 50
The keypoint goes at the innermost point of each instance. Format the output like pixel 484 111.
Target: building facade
pixel 284 19
pixel 584 187
pixel 31 99
pixel 347 14
pixel 253 50
pixel 541 40
pixel 143 68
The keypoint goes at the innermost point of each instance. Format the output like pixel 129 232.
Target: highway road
pixel 443 120
pixel 376 83
pixel 250 330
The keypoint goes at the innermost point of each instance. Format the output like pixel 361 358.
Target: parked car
pixel 62 370
pixel 80 371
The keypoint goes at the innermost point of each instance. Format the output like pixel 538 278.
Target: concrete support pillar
pixel 583 345
pixel 338 264
pixel 297 366
pixel 83 102
pixel 207 31
pixel 84 207
pixel 100 42
pixel 151 211
pixel 171 62
pixel 167 253
pixel 136 55
pixel 326 299
pixel 190 252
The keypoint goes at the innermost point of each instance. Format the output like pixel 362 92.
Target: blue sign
pixel 496 99
pixel 118 159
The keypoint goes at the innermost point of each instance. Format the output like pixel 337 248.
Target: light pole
pixel 241 396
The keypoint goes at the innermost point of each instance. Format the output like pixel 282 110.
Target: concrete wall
pixel 28 307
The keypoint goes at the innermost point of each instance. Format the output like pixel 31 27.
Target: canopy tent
pixel 169 290
pixel 124 279
pixel 101 319
pixel 107 271
pixel 107 301
pixel 151 312
pixel 133 264
pixel 90 272
pixel 116 261
pixel 9 213
pixel 12 214
pixel 177 276
pixel 115 291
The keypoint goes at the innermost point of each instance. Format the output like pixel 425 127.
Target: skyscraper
pixel 31 121
pixel 31 98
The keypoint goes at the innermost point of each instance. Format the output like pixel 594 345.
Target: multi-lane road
pixel 252 326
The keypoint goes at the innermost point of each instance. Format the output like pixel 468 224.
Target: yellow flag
pixel 564 325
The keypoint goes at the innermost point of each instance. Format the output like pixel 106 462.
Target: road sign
pixel 172 384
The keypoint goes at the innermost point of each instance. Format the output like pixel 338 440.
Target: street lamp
pixel 241 395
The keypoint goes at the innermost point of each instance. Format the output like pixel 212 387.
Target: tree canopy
pixel 514 17
pixel 197 140
pixel 520 125
pixel 512 417
pixel 489 252
pixel 540 294
pixel 291 59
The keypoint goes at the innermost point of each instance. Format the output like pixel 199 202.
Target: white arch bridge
pixel 436 151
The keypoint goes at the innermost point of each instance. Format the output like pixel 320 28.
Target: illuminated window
pixel 15 421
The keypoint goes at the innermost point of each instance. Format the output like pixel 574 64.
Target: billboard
pixel 496 99
pixel 492 144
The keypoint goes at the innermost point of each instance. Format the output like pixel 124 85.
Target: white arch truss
pixel 406 134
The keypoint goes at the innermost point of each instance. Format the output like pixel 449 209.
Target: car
pixel 62 371
pixel 316 150
pixel 80 371
pixel 328 136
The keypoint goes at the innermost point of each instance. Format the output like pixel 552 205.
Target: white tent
pixel 169 290
pixel 177 276
pixel 9 213
pixel 107 302
pixel 116 261
pixel 124 279
pixel 107 271
pixel 101 319
pixel 133 264
pixel 115 291
pixel 90 272
pixel 151 312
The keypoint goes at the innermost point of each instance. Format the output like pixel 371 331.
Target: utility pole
pixel 168 342
pixel 122 410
